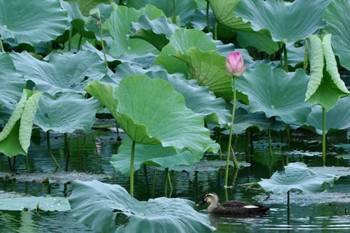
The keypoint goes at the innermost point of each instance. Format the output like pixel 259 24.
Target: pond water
pixel 89 159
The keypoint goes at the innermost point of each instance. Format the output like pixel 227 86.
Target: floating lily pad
pixel 297 176
pixel 109 208
pixel 305 199
pixel 17 202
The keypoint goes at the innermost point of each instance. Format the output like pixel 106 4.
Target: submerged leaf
pixel 109 208
pixel 296 176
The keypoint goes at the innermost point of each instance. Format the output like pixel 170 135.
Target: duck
pixel 233 208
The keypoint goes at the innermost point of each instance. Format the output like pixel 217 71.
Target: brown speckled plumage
pixel 237 208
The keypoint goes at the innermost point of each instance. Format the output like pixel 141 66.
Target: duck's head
pixel 210 198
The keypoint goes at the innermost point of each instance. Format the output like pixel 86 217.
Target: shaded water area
pixel 89 159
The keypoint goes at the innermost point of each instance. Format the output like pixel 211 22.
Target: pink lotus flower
pixel 235 64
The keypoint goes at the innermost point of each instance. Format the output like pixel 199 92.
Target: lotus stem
pixel 1 46
pixel 67 150
pixel 168 181
pixel 27 164
pixel 49 149
pixel 216 31
pixel 79 42
pixel 70 38
pixel 12 164
pixel 270 142
pixel 285 65
pixel 324 136
pixel 288 207
pixel 154 182
pixel 132 159
pixel 230 135
pixel 99 23
pixel 207 16
pixel 174 12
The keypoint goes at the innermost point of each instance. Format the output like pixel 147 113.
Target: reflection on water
pixel 91 153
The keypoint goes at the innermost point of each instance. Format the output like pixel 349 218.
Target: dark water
pixel 90 154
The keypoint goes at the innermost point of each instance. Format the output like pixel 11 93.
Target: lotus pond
pixel 324 211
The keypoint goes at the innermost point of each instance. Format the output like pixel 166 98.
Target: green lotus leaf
pixel 296 176
pixel 149 121
pixel 15 136
pixel 109 208
pixel 224 14
pixel 47 203
pixel 62 72
pixel 103 93
pixel 86 5
pixel 180 42
pixel 32 21
pixel 177 8
pixel 157 32
pixel 265 86
pixel 337 22
pixel 325 86
pixel 153 155
pixel 119 26
pixel 66 112
pixel 198 98
pixel 337 118
pixel 261 40
pixel 77 19
pixel 286 21
pixel 11 88
pixel 208 68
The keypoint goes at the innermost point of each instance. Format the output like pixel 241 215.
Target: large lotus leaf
pixel 152 112
pixel 119 26
pixel 180 42
pixel 261 40
pixel 66 112
pixel 15 136
pixel 337 118
pixel 12 85
pixel 276 93
pixel 325 86
pixel 31 22
pixel 296 176
pixel 157 31
pixel 208 68
pixel 224 14
pixel 177 8
pixel 77 19
pixel 198 98
pixel 109 208
pixel 286 21
pixel 154 155
pixel 103 93
pixel 86 5
pixel 63 72
pixel 337 21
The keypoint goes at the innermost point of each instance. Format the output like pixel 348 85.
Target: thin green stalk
pixel 324 136
pixel 154 182
pixel 230 135
pixel 174 12
pixel 1 46
pixel 288 207
pixel 216 31
pixel 70 39
pixel 49 149
pixel 207 16
pixel 270 142
pixel 285 65
pixel 27 164
pixel 79 42
pixel 99 23
pixel 132 159
pixel 66 150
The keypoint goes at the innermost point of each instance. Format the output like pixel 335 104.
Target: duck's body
pixel 234 208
